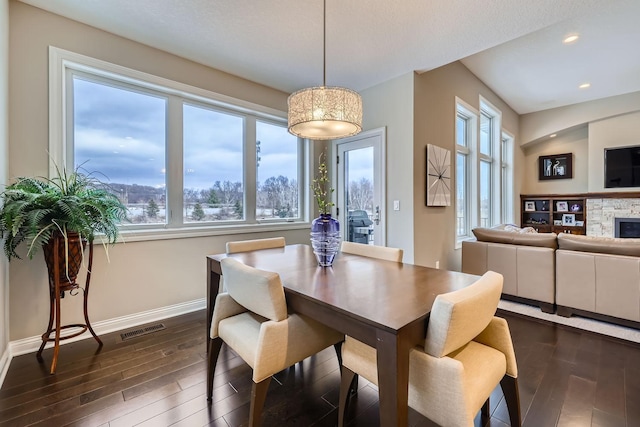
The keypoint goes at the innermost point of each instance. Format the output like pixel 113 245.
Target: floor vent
pixel 143 331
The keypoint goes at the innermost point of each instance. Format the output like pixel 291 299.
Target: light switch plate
pixel 396 205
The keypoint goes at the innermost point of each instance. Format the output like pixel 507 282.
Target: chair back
pixel 371 251
pixel 254 245
pixel 458 317
pixel 257 290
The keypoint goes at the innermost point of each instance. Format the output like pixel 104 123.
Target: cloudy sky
pixel 122 134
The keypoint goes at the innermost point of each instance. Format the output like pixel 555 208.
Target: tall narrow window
pixel 485 157
pixel 507 177
pixel 490 164
pixel 465 134
pixel 120 132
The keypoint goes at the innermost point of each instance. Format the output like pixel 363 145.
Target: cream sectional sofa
pixel 598 277
pixel 525 259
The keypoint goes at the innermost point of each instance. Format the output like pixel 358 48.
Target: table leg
pixel 393 379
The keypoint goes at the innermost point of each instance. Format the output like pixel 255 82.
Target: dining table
pixel 384 304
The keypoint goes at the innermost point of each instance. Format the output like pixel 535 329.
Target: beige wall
pixel 586 130
pixel 390 105
pixel 434 111
pixel 575 141
pixel 537 126
pixel 619 131
pixel 4 142
pixel 141 275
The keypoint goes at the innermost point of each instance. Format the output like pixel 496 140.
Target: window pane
pixel 213 165
pixel 461 130
pixel 485 194
pixel 277 172
pixel 120 134
pixel 461 195
pixel 485 134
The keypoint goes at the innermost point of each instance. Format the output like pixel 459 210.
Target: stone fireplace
pixel 602 214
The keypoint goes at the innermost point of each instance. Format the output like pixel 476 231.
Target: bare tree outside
pixel 361 195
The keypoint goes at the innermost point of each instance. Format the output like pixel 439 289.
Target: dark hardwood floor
pixel 567 377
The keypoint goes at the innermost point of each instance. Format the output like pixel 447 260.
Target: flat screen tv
pixel 622 167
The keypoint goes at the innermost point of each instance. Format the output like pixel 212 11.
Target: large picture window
pixel 177 156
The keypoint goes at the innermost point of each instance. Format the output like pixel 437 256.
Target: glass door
pixel 361 187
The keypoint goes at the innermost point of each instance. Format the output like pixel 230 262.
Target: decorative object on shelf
pixel 562 206
pixel 557 222
pixel 60 214
pixel 544 206
pixel 576 207
pixel 438 176
pixel 325 112
pixel 579 223
pixel 529 206
pixel 557 166
pixel 569 220
pixel 325 230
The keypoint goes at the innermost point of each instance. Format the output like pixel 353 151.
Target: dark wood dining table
pixel 381 303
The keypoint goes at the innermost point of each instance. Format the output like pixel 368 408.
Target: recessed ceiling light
pixel 570 39
pixel 553 135
pixel 585 85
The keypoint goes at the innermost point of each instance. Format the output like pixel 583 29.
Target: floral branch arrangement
pixel 321 190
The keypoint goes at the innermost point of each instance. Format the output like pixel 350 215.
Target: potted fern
pixel 72 207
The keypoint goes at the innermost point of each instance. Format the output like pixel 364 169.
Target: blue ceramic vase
pixel 325 239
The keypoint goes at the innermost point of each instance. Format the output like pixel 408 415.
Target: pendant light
pixel 325 112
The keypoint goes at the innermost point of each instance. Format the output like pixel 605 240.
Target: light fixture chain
pixel 324 43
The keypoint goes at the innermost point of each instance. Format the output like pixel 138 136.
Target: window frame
pixel 494 158
pixel 471 207
pixel 63 64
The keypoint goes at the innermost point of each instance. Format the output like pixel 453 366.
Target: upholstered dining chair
pixel 254 245
pixel 467 353
pixel 251 245
pixel 372 251
pixel 251 318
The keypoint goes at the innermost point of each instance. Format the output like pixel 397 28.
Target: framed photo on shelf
pixel 562 207
pixel 557 222
pixel 529 206
pixel 569 219
pixel 579 223
pixel 557 166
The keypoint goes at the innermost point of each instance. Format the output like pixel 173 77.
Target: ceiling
pixel 515 46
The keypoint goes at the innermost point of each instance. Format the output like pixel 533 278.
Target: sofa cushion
pixel 545 240
pixel 606 245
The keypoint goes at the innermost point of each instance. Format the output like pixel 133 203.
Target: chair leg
pixel 214 350
pixel 346 380
pixel 354 384
pixel 258 396
pixel 338 347
pixel 485 411
pixel 509 387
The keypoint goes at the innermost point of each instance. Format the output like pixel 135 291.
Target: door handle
pixel 376 218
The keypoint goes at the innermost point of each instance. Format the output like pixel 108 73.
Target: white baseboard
pixel 31 344
pixel 5 361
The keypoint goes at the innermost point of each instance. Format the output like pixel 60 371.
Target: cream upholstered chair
pixel 251 318
pixel 371 251
pixel 467 353
pixel 254 245
pixel 251 245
